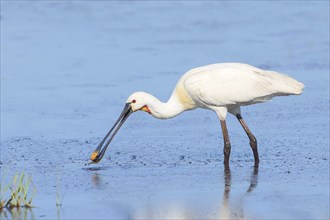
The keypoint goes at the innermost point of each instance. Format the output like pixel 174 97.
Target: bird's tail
pixel 287 85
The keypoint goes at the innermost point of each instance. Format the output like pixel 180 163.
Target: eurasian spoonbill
pixel 222 88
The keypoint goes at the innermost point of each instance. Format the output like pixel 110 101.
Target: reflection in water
pixel 224 211
pixel 58 207
pixel 185 204
pixel 16 213
pixel 96 180
pixel 238 213
pixel 254 179
pixel 200 205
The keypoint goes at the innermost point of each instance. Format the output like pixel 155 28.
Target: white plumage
pixel 236 84
pixel 222 87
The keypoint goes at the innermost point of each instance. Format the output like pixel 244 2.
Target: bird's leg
pixel 227 146
pixel 253 140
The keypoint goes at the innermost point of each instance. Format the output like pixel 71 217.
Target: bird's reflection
pixel 166 205
pixel 254 179
pixel 97 180
pixel 225 211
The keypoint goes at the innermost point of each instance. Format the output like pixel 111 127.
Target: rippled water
pixel 68 67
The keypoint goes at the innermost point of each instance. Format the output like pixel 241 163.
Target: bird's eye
pixel 133 101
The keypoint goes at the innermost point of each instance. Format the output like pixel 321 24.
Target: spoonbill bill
pixel 222 88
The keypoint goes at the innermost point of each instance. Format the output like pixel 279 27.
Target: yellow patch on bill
pixel 94 155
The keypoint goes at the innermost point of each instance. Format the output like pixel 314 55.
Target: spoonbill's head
pixel 136 101
pixel 139 101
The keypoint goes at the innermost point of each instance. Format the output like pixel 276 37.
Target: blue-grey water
pixel 67 68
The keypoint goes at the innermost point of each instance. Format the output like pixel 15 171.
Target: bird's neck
pixel 166 110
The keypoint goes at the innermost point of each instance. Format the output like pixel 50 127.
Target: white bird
pixel 222 88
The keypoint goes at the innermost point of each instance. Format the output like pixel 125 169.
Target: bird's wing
pixel 229 86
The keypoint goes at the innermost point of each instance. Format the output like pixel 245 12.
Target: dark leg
pixel 227 147
pixel 253 140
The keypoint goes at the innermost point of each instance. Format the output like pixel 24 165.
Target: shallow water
pixel 68 67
